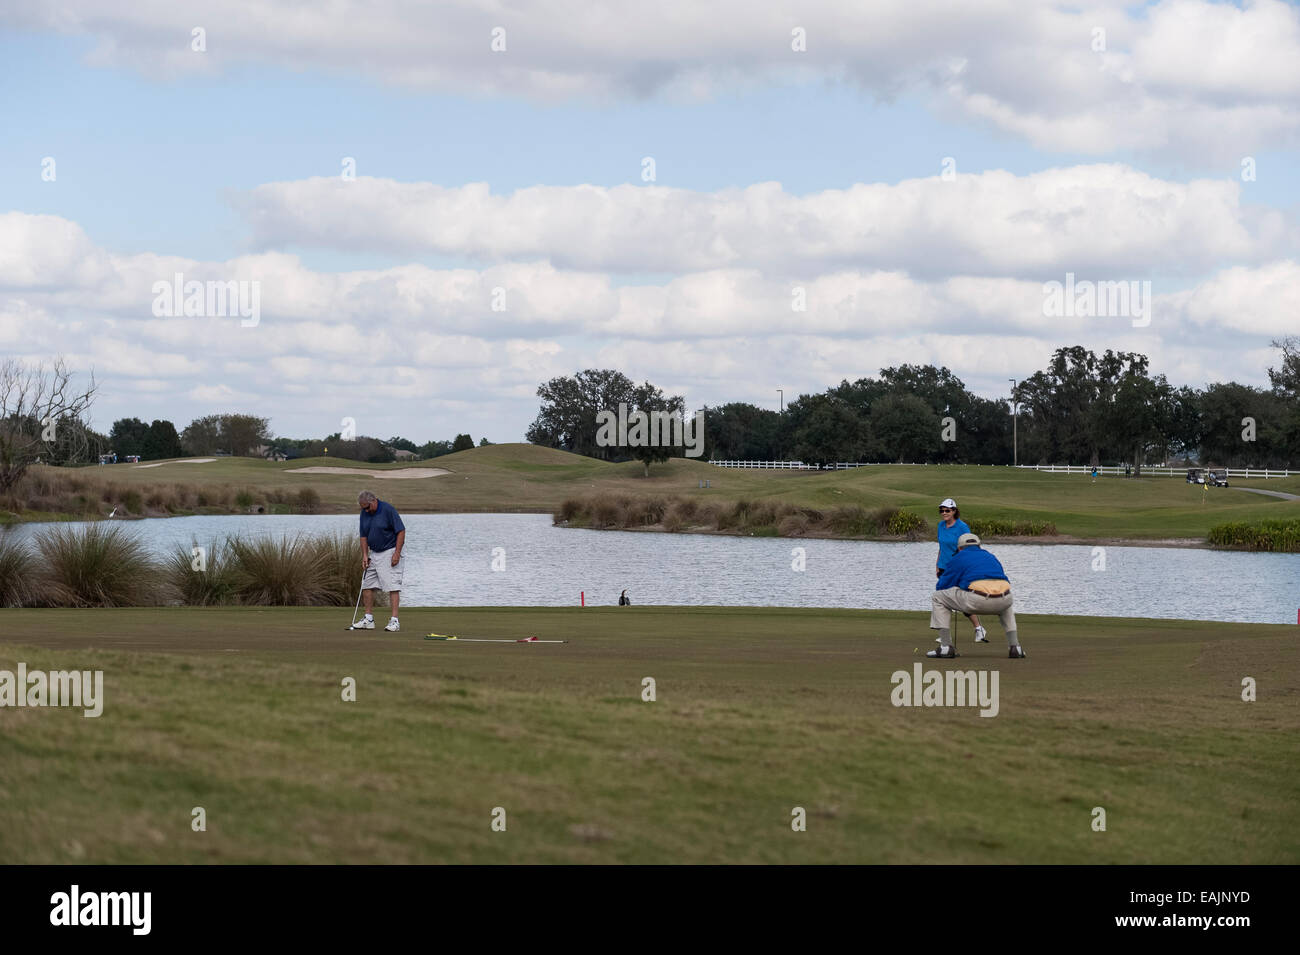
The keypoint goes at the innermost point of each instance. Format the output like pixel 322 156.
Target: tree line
pixel 1082 408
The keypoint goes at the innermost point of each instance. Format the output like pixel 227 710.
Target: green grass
pixel 521 477
pixel 758 711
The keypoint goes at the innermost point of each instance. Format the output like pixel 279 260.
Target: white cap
pixel 947 502
pixel 966 540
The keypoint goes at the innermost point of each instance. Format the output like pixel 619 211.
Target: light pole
pixel 781 392
pixel 1015 438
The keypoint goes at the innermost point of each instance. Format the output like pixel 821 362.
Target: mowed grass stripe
pixel 759 710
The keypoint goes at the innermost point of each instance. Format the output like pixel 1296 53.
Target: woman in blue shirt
pixel 951 527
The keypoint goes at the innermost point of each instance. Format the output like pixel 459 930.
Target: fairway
pixel 758 711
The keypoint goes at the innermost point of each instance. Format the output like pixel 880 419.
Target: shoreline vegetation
pixel 1270 536
pixel 868 503
pixel 102 565
pixel 770 518
pixel 56 494
pixel 763 518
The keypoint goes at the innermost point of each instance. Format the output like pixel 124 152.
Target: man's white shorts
pixel 381 574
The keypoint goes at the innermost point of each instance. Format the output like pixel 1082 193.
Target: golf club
pixel 358 606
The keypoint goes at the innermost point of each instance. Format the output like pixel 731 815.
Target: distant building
pixel 404 455
pixel 272 453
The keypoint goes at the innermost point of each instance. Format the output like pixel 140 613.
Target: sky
pixel 435 208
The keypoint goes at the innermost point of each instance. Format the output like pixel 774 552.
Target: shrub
pixel 569 508
pixel 852 521
pixel 735 516
pixel 340 557
pixel 643 512
pixel 904 523
pixel 19 583
pixel 606 511
pixel 281 572
pixel 1000 527
pixel 793 525
pixel 1268 535
pixel 244 499
pixel 680 512
pixel 132 502
pixel 213 584
pixel 307 501
pixel 96 565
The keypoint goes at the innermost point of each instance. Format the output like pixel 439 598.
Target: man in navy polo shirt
pixel 383 535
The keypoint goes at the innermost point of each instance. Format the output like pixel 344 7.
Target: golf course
pixel 757 711
pixel 524 477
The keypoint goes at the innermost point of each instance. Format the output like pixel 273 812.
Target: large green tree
pixel 127 436
pixel 660 410
pixel 904 428
pixel 161 441
pixel 567 417
pixel 243 434
pixel 738 431
pixel 202 436
pixel 825 430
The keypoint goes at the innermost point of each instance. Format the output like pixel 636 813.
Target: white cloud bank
pixel 1189 78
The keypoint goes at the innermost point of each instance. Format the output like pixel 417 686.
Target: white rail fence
pixel 1249 473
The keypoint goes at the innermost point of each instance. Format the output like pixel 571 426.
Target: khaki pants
pixel 944 602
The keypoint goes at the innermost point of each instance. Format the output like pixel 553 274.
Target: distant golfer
pixel 951 527
pixel 973 582
pixel 383 535
pixel 624 600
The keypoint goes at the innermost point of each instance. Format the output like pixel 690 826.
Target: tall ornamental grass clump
pixel 95 565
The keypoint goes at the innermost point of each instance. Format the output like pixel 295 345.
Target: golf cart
pixel 1217 478
pixel 1195 476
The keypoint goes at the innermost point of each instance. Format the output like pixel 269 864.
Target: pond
pixel 450 562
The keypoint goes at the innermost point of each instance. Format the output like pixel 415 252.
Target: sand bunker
pixel 181 461
pixel 399 474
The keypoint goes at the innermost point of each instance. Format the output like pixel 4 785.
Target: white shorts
pixel 381 574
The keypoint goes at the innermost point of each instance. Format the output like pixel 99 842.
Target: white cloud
pixel 1081 218
pixel 419 350
pixel 1180 76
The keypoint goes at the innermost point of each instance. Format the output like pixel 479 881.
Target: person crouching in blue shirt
pixel 972 582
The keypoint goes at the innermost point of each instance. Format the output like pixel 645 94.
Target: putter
pixel 358 606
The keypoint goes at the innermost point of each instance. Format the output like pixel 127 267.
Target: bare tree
pixel 37 403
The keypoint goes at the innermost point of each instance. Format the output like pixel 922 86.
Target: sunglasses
pixel 944 510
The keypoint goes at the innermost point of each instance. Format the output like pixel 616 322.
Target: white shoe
pixel 393 625
pixel 365 623
pixel 981 635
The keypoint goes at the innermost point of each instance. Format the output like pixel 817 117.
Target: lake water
pixel 449 563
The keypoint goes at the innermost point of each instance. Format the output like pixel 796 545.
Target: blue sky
pixel 151 161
